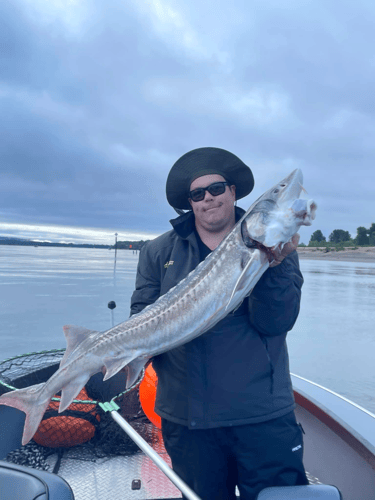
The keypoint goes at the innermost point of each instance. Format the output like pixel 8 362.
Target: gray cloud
pixel 98 101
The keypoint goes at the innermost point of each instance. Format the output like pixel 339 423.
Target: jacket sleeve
pixel 275 301
pixel 147 282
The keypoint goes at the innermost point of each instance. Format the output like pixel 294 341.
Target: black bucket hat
pixel 205 161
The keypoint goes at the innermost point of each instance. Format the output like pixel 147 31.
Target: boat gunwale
pixel 334 422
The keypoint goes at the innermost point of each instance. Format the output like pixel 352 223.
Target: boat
pixel 339 457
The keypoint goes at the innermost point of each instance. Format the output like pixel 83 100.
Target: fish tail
pixel 26 400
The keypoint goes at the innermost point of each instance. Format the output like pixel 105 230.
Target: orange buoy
pixel 147 395
pixel 64 431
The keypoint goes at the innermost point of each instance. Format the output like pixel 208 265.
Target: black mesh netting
pixel 84 426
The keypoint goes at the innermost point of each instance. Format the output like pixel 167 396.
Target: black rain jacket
pixel 237 372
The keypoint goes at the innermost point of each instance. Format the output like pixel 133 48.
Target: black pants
pixel 213 461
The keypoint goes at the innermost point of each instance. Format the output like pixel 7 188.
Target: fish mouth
pixel 304 211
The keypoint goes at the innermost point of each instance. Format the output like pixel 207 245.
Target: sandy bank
pixel 365 254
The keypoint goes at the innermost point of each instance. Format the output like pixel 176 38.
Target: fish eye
pixel 276 190
pixel 282 185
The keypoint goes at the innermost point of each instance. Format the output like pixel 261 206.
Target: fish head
pixel 277 215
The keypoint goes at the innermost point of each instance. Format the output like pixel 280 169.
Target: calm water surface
pixel 333 340
pixel 42 289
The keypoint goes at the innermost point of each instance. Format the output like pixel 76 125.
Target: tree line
pixel 339 236
pixel 131 245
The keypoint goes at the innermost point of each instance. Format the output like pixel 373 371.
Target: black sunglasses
pixel 214 189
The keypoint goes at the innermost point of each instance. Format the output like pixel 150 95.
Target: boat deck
pixel 112 478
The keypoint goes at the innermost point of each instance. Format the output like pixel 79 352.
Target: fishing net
pixel 83 426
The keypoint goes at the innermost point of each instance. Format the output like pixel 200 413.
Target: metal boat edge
pixel 339 440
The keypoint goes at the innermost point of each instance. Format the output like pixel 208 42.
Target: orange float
pixel 147 395
pixel 64 431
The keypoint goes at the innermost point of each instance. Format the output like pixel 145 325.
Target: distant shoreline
pixel 348 254
pixel 120 245
pixel 364 254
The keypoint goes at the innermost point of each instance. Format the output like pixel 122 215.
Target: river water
pixel 42 289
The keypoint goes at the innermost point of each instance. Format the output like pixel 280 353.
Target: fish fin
pixel 26 400
pixel 70 391
pixel 134 368
pixel 74 335
pixel 240 282
pixel 114 365
pixel 239 305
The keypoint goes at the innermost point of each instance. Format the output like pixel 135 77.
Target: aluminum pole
pixel 163 466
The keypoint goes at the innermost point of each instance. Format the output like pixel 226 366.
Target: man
pixel 225 398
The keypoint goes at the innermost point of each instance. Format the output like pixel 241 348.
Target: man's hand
pixel 288 248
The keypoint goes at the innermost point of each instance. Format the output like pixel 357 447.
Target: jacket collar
pixel 184 225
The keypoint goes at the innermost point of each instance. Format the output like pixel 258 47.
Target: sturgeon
pixel 215 288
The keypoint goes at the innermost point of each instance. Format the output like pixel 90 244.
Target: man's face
pixel 213 213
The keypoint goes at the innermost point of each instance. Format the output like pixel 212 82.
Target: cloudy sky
pixel 99 99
